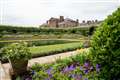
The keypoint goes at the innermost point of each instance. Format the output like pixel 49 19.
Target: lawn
pixel 45 50
pixel 40 42
pixel 53 49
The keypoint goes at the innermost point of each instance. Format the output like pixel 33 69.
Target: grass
pixel 40 36
pixel 39 51
pixel 53 49
pixel 39 42
pixel 12 41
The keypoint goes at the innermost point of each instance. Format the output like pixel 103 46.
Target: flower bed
pixel 74 68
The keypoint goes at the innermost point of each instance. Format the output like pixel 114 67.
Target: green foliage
pixel 17 51
pixel 39 51
pixel 66 69
pixel 39 42
pixel 4 29
pixel 53 49
pixel 106 46
pixel 1 35
pixel 81 57
pixel 91 30
pixel 48 42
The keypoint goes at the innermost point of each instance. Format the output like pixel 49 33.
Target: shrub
pixel 1 35
pixel 106 47
pixel 17 51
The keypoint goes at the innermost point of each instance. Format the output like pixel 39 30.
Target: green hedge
pixel 40 51
pixel 106 47
pixel 4 29
pixel 53 49
pixel 38 42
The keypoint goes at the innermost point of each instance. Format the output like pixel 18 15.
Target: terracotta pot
pixel 18 66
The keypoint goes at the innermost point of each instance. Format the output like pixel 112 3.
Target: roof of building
pixel 52 18
pixel 67 20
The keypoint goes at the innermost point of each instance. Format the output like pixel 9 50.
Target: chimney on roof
pixel 61 18
pixel 47 22
pixel 96 20
pixel 77 22
pixel 83 21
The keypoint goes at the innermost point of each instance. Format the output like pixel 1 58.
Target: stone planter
pixel 18 66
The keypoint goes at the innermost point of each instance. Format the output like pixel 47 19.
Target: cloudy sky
pixel 36 12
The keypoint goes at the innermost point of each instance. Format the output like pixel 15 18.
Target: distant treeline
pixel 12 29
pixel 34 30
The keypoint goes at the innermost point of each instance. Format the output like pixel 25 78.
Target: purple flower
pixel 91 68
pixel 47 79
pixel 49 70
pixel 66 69
pixel 72 75
pixel 98 67
pixel 86 71
pixel 33 72
pixel 81 68
pixel 80 75
pixel 86 64
pixel 71 68
pixel 50 75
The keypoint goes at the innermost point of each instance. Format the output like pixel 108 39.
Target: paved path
pixel 52 58
pixel 46 59
pixel 3 74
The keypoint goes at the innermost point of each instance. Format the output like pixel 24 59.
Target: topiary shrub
pixel 105 47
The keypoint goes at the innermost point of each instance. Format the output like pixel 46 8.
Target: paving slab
pixel 3 74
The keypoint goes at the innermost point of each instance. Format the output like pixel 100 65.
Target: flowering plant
pixel 72 69
pixel 17 51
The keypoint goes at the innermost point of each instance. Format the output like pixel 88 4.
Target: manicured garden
pixel 100 62
pixel 39 42
pixel 53 49
pixel 38 51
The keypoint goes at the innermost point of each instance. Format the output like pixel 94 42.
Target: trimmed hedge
pixel 54 49
pixel 40 51
pixel 106 47
pixel 4 29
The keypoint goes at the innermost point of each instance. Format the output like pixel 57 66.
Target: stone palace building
pixel 61 22
pixel 67 22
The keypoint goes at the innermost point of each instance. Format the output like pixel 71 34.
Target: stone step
pixel 3 74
